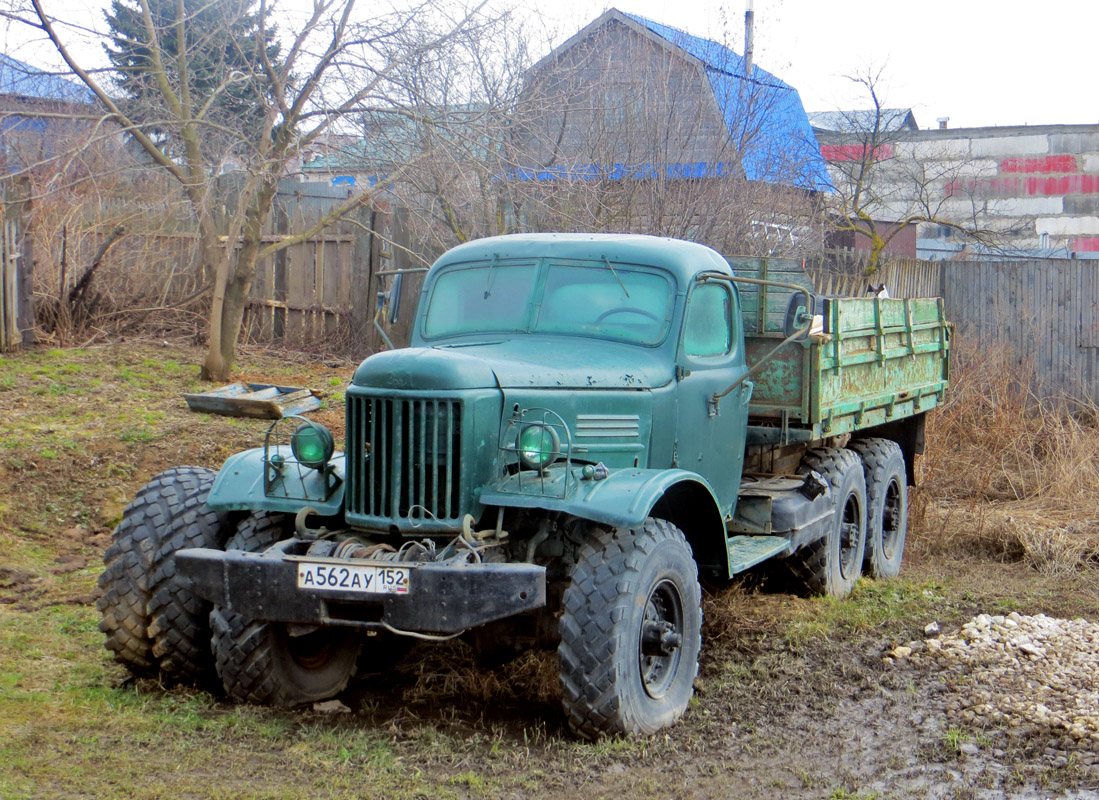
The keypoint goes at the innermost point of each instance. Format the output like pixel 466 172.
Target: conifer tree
pixel 219 57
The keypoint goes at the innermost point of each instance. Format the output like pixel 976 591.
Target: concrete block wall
pixel 1038 186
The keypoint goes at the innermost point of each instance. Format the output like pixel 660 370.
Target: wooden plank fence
pixel 319 295
pixel 1042 314
pixel 910 278
pixel 323 293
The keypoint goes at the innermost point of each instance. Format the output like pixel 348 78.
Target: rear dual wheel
pixel 831 565
pixel 887 505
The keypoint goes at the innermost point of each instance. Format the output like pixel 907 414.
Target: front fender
pixel 623 499
pixel 239 486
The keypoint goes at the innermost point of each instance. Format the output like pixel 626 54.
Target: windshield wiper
pixel 615 274
pixel 488 278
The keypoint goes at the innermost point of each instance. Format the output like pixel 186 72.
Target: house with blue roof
pixel 673 134
pixel 632 98
pixel 30 83
pixel 40 112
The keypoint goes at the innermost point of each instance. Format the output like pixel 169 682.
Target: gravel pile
pixel 1021 672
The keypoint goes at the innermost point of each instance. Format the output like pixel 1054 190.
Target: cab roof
pixel 681 258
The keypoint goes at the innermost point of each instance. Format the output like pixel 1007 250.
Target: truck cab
pixel 556 352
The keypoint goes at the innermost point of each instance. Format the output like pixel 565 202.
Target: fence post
pixel 362 300
pixel 16 305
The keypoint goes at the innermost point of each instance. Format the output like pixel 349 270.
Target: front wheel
pixel 630 627
pixel 145 615
pixel 263 662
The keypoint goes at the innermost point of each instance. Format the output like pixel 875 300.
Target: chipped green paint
pixel 879 360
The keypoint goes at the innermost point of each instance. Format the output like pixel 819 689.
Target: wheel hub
pixel 891 520
pixel 660 639
pixel 849 530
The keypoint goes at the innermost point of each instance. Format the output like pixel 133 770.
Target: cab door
pixel 709 436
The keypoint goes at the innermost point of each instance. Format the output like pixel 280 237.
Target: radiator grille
pixel 404 458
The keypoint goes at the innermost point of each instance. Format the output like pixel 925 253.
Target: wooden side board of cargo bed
pixel 877 360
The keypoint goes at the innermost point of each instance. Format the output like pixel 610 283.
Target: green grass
pixel 57 685
pixel 872 606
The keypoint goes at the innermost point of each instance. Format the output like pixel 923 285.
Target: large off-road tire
pixel 261 662
pixel 631 627
pixel 179 619
pixel 886 504
pixel 831 565
pixel 126 582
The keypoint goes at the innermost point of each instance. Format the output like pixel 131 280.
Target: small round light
pixel 312 445
pixel 539 446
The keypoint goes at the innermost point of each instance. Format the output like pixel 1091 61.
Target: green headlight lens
pixel 312 445
pixel 539 446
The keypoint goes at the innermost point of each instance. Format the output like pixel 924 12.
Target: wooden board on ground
pixel 257 400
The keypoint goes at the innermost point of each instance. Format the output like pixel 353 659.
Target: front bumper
pixel 442 598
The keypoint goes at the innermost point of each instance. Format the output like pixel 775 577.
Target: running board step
pixel 747 551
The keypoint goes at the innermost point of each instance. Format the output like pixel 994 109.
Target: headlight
pixel 539 446
pixel 312 445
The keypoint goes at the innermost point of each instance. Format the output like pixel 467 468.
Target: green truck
pixel 584 429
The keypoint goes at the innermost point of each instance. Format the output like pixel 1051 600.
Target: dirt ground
pixel 778 715
pixel 796 698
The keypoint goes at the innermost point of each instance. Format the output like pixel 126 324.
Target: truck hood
pixel 517 363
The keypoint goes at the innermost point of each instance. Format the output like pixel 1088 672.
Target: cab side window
pixel 708 330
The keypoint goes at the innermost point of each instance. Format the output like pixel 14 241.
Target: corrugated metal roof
pixel 761 108
pixel 27 81
pixel 889 120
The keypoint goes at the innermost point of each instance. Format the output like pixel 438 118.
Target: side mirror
pixel 395 297
pixel 800 309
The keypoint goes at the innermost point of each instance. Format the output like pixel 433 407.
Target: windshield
pixel 621 302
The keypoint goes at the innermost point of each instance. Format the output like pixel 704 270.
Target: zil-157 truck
pixel 583 429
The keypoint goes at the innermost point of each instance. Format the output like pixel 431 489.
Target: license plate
pixel 362 578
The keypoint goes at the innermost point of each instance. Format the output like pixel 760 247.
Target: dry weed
pixel 441 674
pixel 1007 473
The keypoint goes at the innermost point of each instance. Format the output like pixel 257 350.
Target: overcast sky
pixel 977 62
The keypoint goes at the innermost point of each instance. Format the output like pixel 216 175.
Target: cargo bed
pixel 876 361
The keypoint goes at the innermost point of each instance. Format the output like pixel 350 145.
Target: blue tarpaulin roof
pixel 761 111
pixel 27 81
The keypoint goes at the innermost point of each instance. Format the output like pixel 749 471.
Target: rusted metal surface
pixel 878 360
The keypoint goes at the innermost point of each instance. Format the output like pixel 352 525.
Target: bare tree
pixel 881 189
pixel 452 130
pixel 331 65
